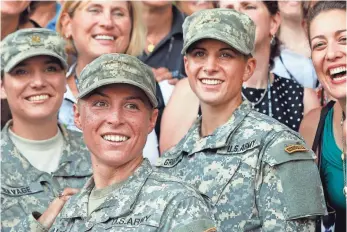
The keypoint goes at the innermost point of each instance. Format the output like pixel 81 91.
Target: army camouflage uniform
pixel 26 191
pixel 147 201
pixel 253 183
pixel 258 173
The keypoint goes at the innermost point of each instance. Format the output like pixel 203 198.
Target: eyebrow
pixel 222 49
pixel 47 61
pixel 322 36
pixel 127 98
pixel 101 6
pixel 96 92
pixel 135 98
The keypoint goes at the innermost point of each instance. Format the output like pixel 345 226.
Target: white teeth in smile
pixel 115 138
pixel 211 81
pixel 339 78
pixel 104 37
pixel 38 98
pixel 334 71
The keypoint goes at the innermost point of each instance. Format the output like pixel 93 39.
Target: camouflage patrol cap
pixel 27 43
pixel 117 68
pixel 226 25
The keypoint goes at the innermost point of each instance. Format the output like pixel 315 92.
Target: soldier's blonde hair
pixel 138 31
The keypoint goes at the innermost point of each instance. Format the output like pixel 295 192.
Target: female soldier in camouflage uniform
pixel 258 173
pixel 40 158
pixel 116 111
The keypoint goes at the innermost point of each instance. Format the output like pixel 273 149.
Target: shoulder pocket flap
pixel 285 152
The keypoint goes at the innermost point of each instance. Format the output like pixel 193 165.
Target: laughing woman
pixel 93 28
pixel 327 34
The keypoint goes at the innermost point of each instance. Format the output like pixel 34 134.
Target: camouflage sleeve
pixel 190 214
pixel 290 193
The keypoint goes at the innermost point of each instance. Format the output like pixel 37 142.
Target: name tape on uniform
pixel 25 190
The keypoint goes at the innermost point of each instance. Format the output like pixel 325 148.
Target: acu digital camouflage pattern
pixel 147 201
pixel 253 183
pixel 117 69
pixel 26 43
pixel 24 189
pixel 228 26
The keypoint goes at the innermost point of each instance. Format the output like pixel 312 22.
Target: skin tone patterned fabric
pixel 147 201
pixel 253 183
pixel 25 190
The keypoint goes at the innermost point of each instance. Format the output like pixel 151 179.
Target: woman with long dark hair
pixel 322 128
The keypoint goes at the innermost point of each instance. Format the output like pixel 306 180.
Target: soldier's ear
pixel 77 115
pixel 249 68
pixel 3 91
pixel 153 119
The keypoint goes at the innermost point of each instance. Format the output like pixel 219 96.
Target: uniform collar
pixel 121 202
pixel 193 143
pixel 75 160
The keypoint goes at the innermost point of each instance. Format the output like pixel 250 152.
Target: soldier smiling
pixel 41 159
pixel 256 171
pixel 116 111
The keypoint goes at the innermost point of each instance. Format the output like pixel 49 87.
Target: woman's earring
pixel 273 40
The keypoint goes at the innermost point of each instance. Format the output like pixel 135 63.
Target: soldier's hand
pixel 48 217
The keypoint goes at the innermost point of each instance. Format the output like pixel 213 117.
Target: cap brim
pixel 32 53
pixel 110 81
pixel 217 35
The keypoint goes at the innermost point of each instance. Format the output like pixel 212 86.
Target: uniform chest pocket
pixel 216 175
pixel 26 199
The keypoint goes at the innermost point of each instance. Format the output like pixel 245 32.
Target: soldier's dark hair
pixel 272 7
pixel 323 6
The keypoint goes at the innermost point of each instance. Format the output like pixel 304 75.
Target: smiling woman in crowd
pixel 322 128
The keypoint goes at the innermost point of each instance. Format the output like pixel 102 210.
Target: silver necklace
pixel 253 104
